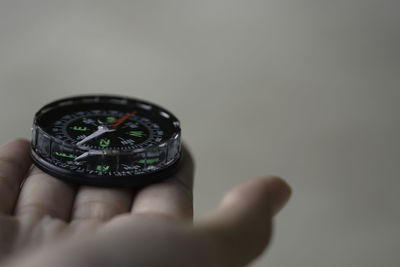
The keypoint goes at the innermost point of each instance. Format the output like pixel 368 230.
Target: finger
pixel 172 197
pixel 42 195
pixel 240 228
pixel 101 203
pixel 14 163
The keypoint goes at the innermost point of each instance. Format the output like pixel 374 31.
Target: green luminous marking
pixel 78 128
pixel 136 133
pixel 104 142
pixel 110 119
pixel 102 168
pixel 71 156
pixel 149 161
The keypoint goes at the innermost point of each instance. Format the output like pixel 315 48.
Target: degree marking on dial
pixel 104 142
pixel 136 133
pixel 102 168
pixel 79 128
pixel 71 156
pixel 148 161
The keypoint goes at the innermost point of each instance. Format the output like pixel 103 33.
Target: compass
pixel 105 140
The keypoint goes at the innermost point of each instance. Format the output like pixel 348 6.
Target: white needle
pixel 101 130
pixel 86 154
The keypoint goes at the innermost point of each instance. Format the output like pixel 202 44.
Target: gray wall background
pixel 305 89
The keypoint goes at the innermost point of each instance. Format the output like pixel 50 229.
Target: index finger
pixel 14 164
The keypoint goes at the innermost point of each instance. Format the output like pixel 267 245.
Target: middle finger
pixel 101 203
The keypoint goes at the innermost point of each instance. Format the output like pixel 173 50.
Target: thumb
pixel 240 228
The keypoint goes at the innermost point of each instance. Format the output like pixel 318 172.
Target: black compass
pixel 106 141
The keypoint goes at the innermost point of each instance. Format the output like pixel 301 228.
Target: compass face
pixel 106 140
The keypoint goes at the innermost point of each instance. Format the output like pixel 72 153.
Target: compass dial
pixel 106 140
pixel 135 132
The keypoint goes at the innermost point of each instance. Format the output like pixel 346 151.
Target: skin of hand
pixel 49 222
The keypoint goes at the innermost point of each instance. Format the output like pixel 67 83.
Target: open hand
pixel 48 222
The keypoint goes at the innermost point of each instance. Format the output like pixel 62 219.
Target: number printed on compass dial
pixel 104 136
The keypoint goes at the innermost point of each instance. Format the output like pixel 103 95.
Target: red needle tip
pixel 124 118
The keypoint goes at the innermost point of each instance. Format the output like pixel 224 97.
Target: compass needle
pixel 101 130
pixel 124 118
pixel 106 141
pixel 82 156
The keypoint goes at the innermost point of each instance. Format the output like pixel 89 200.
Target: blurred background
pixel 305 89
